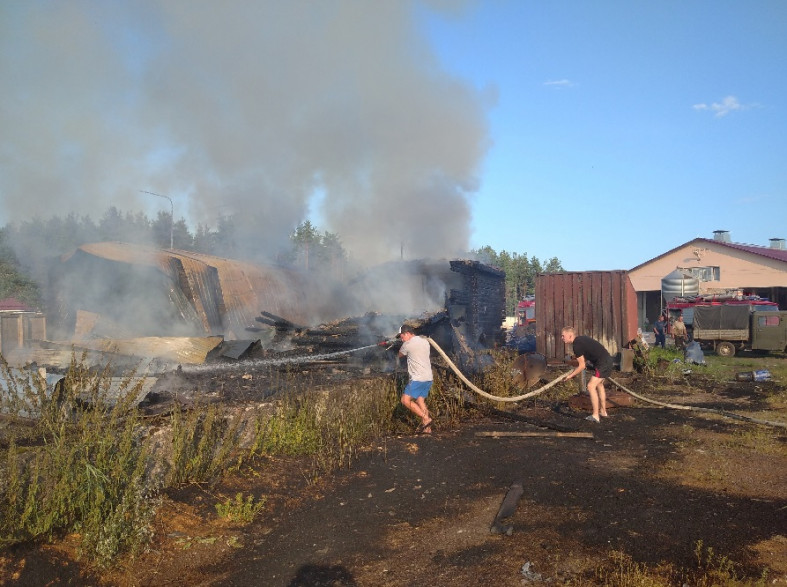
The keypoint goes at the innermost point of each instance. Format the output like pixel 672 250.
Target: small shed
pixel 19 325
pixel 599 304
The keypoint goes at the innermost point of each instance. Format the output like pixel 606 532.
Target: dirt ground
pixel 656 484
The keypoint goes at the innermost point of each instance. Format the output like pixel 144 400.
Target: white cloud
pixel 723 108
pixel 753 199
pixel 559 83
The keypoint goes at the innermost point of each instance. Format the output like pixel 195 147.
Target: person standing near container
pixel 588 350
pixel 679 332
pixel 419 368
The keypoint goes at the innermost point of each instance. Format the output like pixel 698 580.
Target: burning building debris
pixel 459 303
pixel 135 304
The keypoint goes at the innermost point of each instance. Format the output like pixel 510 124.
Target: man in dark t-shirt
pixel 588 350
pixel 659 329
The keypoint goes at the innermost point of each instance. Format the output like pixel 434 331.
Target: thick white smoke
pixel 244 109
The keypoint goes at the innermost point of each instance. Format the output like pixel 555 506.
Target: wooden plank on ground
pixel 547 434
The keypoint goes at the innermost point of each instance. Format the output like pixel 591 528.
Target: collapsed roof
pixel 119 289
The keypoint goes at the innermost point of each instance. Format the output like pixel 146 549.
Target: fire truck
pixel 526 311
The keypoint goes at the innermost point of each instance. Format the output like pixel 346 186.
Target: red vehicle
pixel 526 311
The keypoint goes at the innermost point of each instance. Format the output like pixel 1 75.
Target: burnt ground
pixel 658 485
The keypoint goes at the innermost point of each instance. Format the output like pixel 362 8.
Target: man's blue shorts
pixel 416 389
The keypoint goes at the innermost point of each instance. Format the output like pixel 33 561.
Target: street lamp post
pixel 171 216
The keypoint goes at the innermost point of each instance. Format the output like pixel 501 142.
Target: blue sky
pixel 602 133
pixel 622 129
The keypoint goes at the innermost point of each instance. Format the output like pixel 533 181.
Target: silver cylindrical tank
pixel 679 284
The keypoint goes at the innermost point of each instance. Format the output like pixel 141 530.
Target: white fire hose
pixel 530 394
pixel 482 393
pixel 699 409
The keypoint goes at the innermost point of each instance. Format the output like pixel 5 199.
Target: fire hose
pixel 699 409
pixel 482 393
pixel 517 398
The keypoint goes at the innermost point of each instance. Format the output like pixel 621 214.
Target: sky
pixel 601 133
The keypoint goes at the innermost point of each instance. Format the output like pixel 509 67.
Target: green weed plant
pixel 205 441
pixel 239 509
pixel 82 466
pixel 330 428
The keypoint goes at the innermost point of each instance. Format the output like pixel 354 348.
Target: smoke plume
pixel 244 109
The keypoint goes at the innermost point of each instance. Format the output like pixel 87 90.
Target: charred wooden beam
pixel 507 509
pixel 340 330
pixel 325 342
pixel 282 323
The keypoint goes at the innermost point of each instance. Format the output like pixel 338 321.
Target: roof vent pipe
pixel 778 243
pixel 721 235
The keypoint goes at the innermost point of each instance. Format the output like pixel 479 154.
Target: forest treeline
pixel 309 249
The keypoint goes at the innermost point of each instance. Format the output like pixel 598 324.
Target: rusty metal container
pixel 599 304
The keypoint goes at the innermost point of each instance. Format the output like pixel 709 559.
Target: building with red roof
pixel 720 266
pixel 14 305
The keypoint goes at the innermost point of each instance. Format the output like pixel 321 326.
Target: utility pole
pixel 171 216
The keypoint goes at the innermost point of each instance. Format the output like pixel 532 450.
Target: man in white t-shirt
pixel 419 368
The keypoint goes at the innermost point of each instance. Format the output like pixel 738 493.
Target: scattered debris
pixel 507 509
pixel 531 576
pixel 529 369
pixel 761 375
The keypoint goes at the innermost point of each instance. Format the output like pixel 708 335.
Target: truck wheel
pixel 725 349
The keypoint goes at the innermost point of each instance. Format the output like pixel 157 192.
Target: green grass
pixel 669 362
pixel 711 570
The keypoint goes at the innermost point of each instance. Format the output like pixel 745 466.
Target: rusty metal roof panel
pixel 238 299
pixel 191 350
pixel 124 253
pixel 236 349
pixel 249 288
pixel 208 294
pixel 200 284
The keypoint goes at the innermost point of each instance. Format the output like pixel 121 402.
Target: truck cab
pixel 769 331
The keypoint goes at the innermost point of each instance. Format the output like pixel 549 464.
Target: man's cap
pixel 405 328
